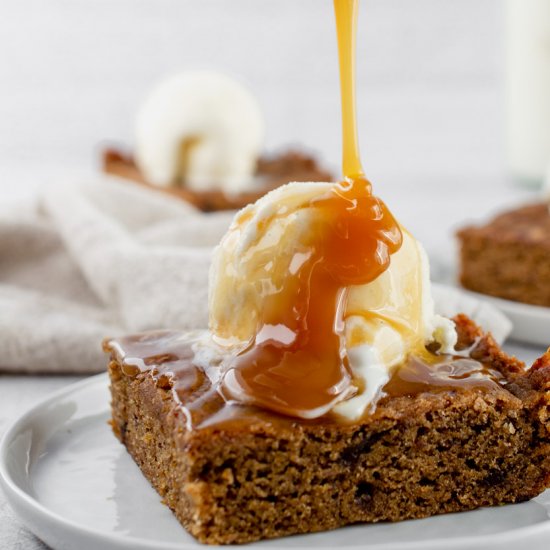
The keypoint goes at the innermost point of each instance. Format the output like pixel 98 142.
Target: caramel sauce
pixel 346 29
pixel 297 364
pixel 440 374
pixel 168 358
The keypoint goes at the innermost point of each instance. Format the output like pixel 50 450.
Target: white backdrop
pixel 72 73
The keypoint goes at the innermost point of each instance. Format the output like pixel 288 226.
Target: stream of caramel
pixel 297 363
pixel 346 12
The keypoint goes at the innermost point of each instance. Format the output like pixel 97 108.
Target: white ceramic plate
pixel 73 484
pixel 449 301
pixel 530 324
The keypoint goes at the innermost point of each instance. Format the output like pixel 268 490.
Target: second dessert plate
pixel 73 484
pixel 530 324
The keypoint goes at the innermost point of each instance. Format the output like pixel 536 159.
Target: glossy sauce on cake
pixel 169 357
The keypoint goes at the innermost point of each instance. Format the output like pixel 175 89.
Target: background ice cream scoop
pixel 201 129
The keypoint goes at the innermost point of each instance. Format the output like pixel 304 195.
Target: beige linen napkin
pixel 82 262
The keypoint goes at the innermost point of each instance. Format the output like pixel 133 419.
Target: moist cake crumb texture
pixel 236 474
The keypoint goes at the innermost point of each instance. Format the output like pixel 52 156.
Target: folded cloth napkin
pixel 80 263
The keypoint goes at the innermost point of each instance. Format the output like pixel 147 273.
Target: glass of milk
pixel 528 89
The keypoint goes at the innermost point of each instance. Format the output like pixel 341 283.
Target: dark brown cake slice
pixel 271 172
pixel 472 431
pixel 509 257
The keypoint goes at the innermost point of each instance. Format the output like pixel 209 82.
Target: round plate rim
pixel 542 312
pixel 449 277
pixel 518 312
pixel 15 493
pixel 12 490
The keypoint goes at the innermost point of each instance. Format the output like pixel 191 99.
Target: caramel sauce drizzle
pixel 440 374
pixel 346 12
pixel 297 362
pixel 169 358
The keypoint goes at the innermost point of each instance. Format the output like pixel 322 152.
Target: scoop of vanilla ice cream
pixel 261 246
pixel 388 318
pixel 200 128
pixel 384 319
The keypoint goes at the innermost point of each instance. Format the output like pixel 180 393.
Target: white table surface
pixel 430 95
